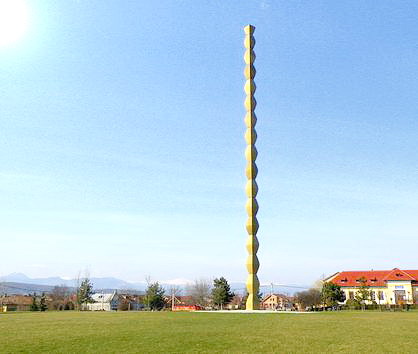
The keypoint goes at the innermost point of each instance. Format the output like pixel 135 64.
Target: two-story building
pixel 390 287
pixel 277 302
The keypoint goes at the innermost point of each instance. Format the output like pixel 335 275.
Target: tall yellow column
pixel 251 171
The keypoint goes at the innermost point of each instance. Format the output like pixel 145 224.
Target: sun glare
pixel 14 21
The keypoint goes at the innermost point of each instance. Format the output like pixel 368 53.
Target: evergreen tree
pixel 221 292
pixel 331 294
pixel 84 292
pixel 34 306
pixel 42 303
pixel 155 296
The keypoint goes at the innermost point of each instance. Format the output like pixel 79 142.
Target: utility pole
pixel 172 299
pixel 251 187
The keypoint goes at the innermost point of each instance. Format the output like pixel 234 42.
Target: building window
pixel 381 296
pixel 351 295
pixel 372 295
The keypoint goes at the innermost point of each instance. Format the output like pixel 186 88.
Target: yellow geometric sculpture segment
pixel 251 188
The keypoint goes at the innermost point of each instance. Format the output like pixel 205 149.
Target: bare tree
pixel 59 297
pixel 77 286
pixel 146 297
pixel 309 298
pixel 237 302
pixel 175 291
pixel 200 292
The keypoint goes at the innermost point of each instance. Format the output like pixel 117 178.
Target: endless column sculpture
pixel 251 188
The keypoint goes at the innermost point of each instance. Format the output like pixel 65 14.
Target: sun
pixel 14 21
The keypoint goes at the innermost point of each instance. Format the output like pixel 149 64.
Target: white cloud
pixel 178 281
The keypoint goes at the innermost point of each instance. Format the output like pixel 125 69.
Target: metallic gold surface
pixel 251 187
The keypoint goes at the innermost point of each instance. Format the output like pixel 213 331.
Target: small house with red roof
pixel 390 287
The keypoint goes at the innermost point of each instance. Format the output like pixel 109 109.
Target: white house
pixel 104 302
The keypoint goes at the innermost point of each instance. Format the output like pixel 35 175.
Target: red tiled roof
pixel 398 274
pixel 16 300
pixel 373 277
pixel 412 273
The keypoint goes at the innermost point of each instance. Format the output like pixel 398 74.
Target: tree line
pixel 329 294
pixel 64 298
pixel 201 293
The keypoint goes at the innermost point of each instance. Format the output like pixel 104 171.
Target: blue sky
pixel 121 139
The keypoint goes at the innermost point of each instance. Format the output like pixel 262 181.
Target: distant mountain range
pixel 46 284
pixel 19 283
pixel 13 288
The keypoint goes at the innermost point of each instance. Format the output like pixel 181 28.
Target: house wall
pixel 415 294
pixel 275 302
pixel 375 289
pixel 114 304
pixel 388 292
pixel 98 306
pixel 270 303
pixel 400 286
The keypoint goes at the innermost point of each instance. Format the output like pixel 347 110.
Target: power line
pixel 277 285
pixel 287 286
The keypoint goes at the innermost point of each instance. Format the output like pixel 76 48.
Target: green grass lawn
pixel 139 332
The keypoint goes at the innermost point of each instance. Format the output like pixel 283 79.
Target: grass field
pixel 145 332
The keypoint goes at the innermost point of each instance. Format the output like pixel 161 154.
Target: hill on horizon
pixel 19 283
pixel 98 283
